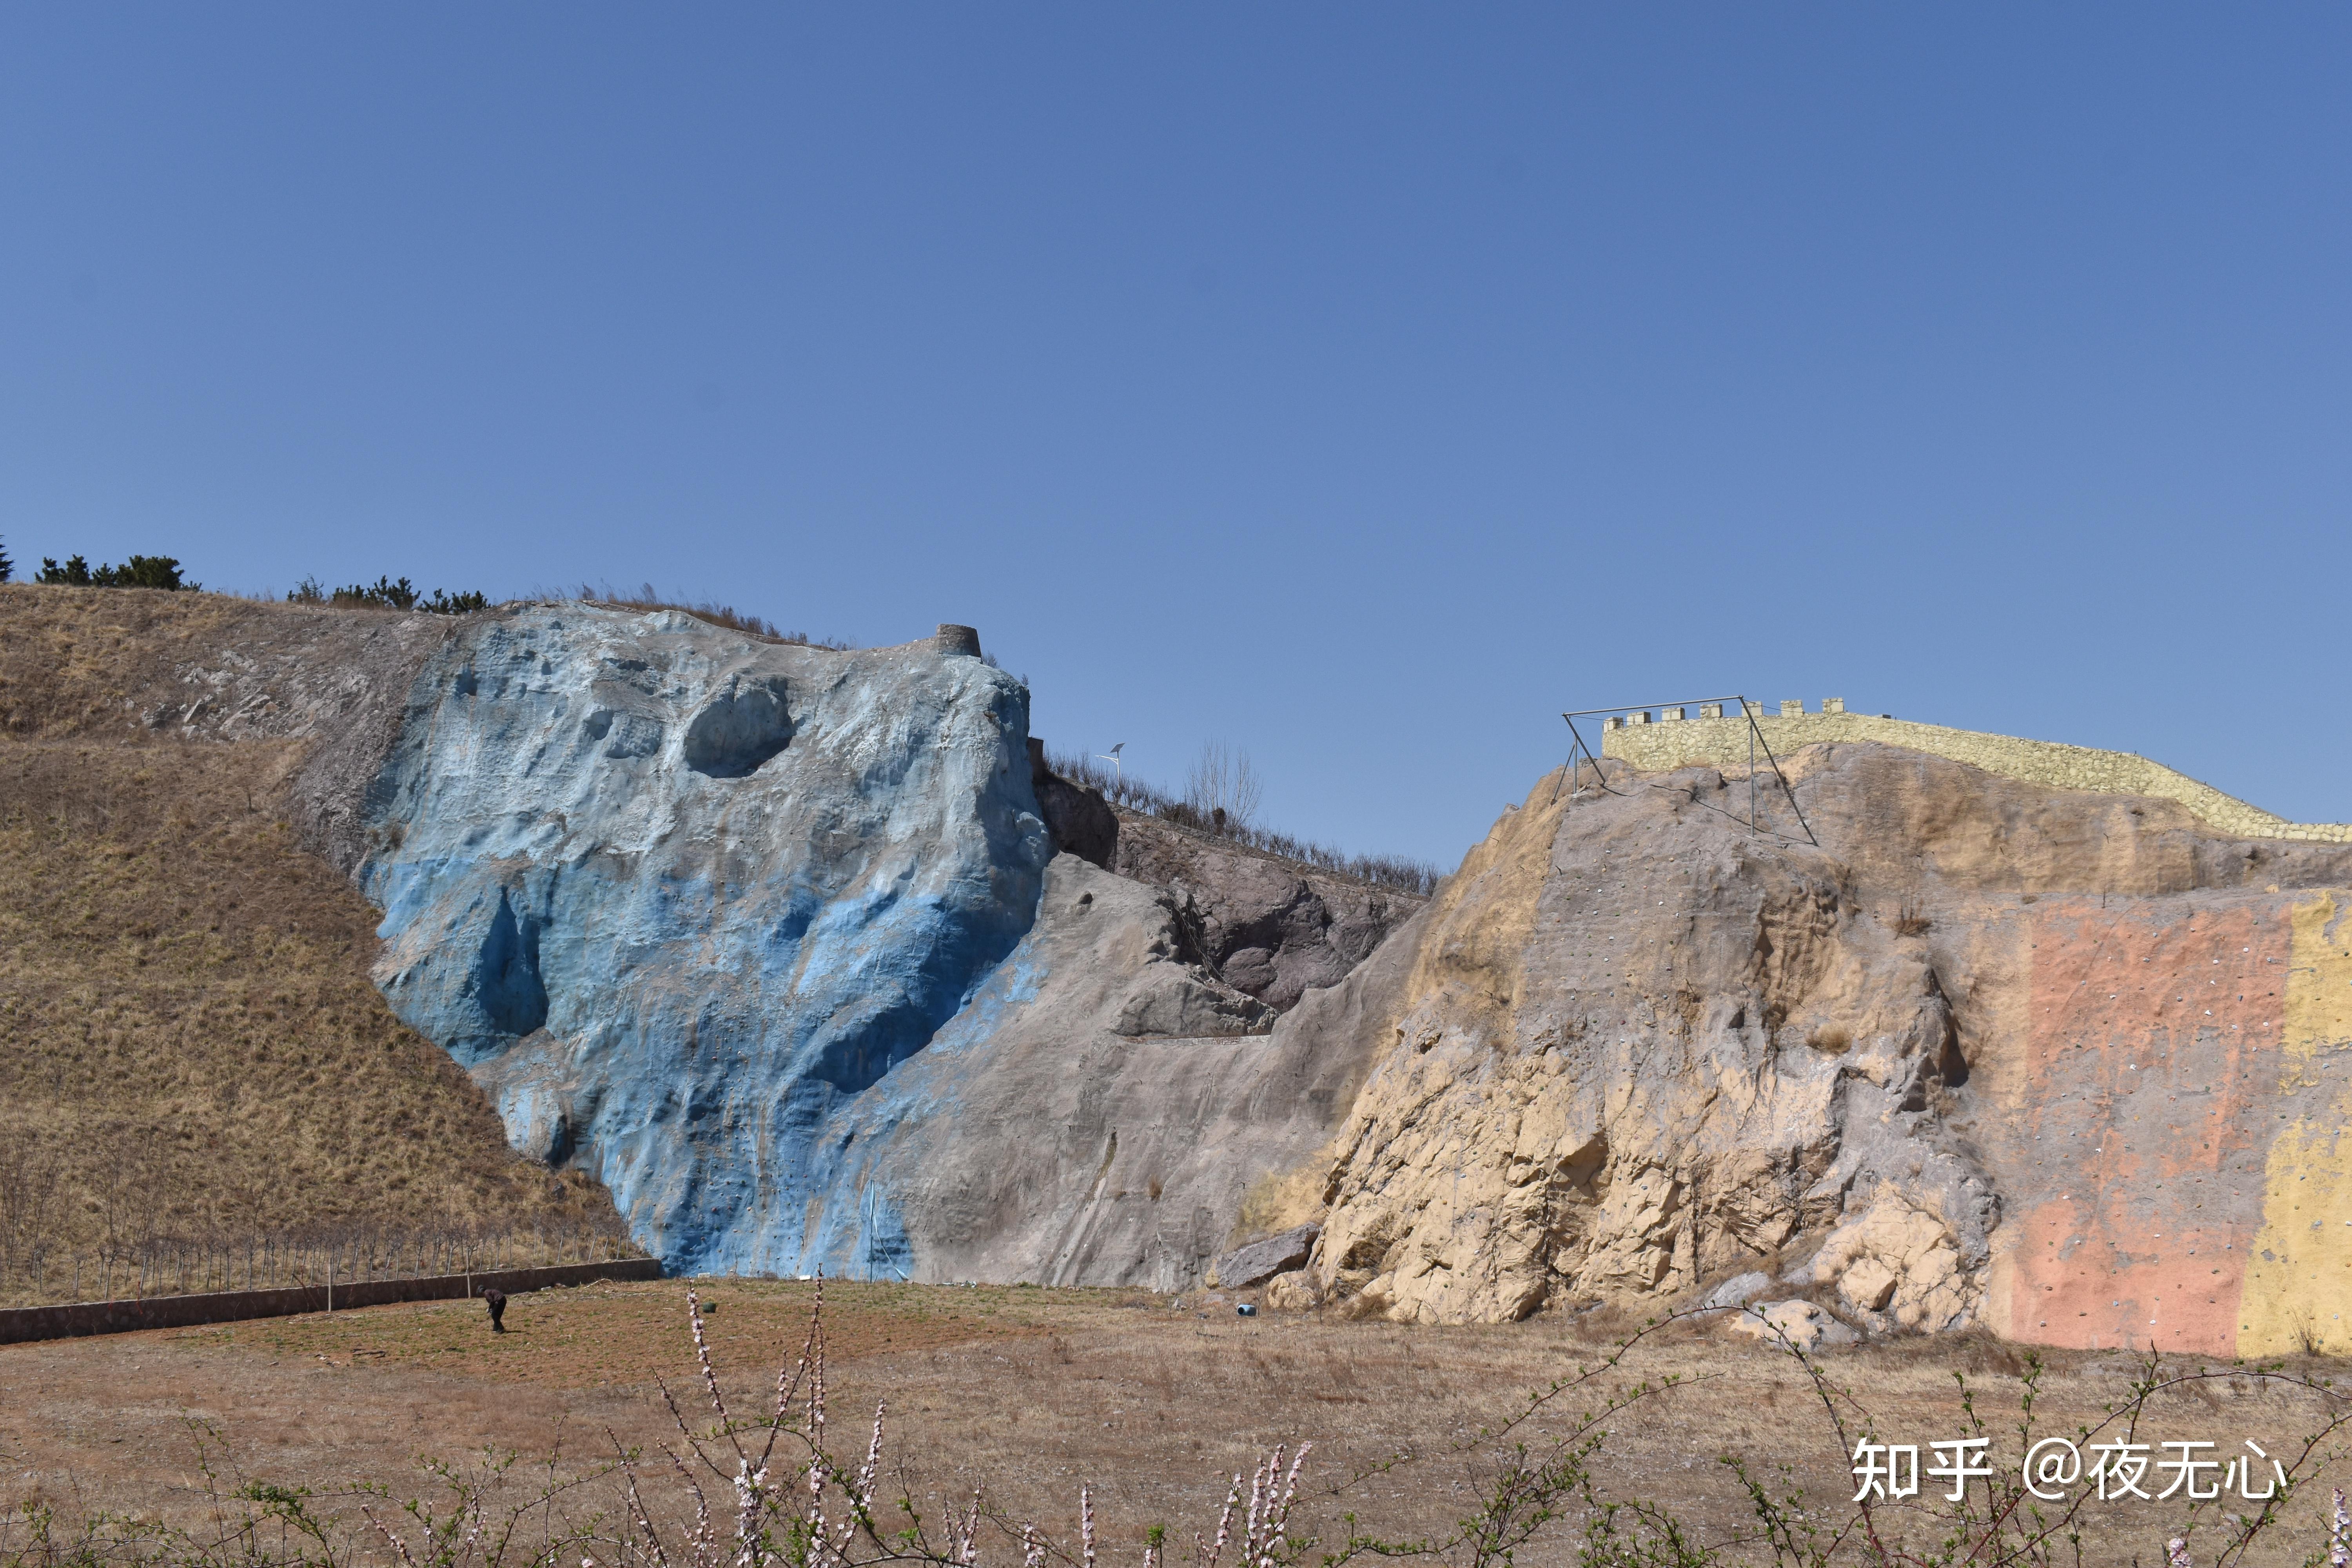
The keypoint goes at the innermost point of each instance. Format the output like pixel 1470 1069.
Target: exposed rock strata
pixel 1630 1050
pixel 1080 820
pixel 1638 1053
pixel 1270 927
pixel 749 930
pixel 1034 1138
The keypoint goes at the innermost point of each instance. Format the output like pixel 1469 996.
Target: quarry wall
pixel 763 936
pixel 2069 1064
pixel 1268 926
pixel 1099 1112
pixel 2180 1164
pixel 674 895
pixel 773 939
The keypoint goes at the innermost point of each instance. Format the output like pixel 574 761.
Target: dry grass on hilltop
pixel 717 614
pixel 88 661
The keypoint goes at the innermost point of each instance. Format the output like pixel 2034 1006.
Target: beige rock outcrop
pixel 1639 1052
pixel 1632 1048
pixel 1293 1293
pixel 1799 1323
pixel 1896 1258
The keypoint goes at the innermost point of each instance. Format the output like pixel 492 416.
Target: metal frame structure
pixel 1579 752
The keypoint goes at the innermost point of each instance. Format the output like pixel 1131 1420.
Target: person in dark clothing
pixel 496 1302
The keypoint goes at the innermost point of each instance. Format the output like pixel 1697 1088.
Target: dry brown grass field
pixel 1030 1392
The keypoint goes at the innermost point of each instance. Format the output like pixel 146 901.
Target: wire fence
pixel 37 1274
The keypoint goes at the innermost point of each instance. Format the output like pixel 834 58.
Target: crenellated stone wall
pixel 1675 738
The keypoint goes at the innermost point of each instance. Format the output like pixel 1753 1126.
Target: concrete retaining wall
pixel 23 1324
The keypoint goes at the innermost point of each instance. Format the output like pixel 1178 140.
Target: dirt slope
pixel 191 1046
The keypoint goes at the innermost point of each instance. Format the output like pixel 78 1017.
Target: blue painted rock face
pixel 677 897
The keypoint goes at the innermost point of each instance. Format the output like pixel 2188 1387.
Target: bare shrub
pixel 1222 786
pixel 27 1187
pixel 385 594
pixel 1137 795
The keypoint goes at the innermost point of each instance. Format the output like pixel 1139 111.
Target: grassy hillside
pixel 91 661
pixel 191 1055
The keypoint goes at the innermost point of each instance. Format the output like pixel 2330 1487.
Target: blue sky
pixel 1358 387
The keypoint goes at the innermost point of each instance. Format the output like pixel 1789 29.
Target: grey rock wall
pixel 1080 820
pixel 1036 1138
pixel 1269 927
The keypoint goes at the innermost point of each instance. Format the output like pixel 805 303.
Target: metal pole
pixel 1787 789
pixel 1600 778
pixel 1572 768
pixel 1750 713
pixel 1573 771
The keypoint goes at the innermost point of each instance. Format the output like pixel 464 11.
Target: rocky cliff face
pixel 1081 822
pixel 773 939
pixel 675 896
pixel 2065 1063
pixel 754 930
pixel 1099 1112
pixel 746 930
pixel 1268 926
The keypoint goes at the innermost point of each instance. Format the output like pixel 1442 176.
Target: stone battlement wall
pixel 1676 738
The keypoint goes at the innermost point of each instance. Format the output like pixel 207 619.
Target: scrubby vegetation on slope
pixel 102 665
pixel 384 593
pixel 1220 800
pixel 648 598
pixel 139 572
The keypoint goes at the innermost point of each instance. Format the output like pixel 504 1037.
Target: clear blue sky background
pixel 1356 385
